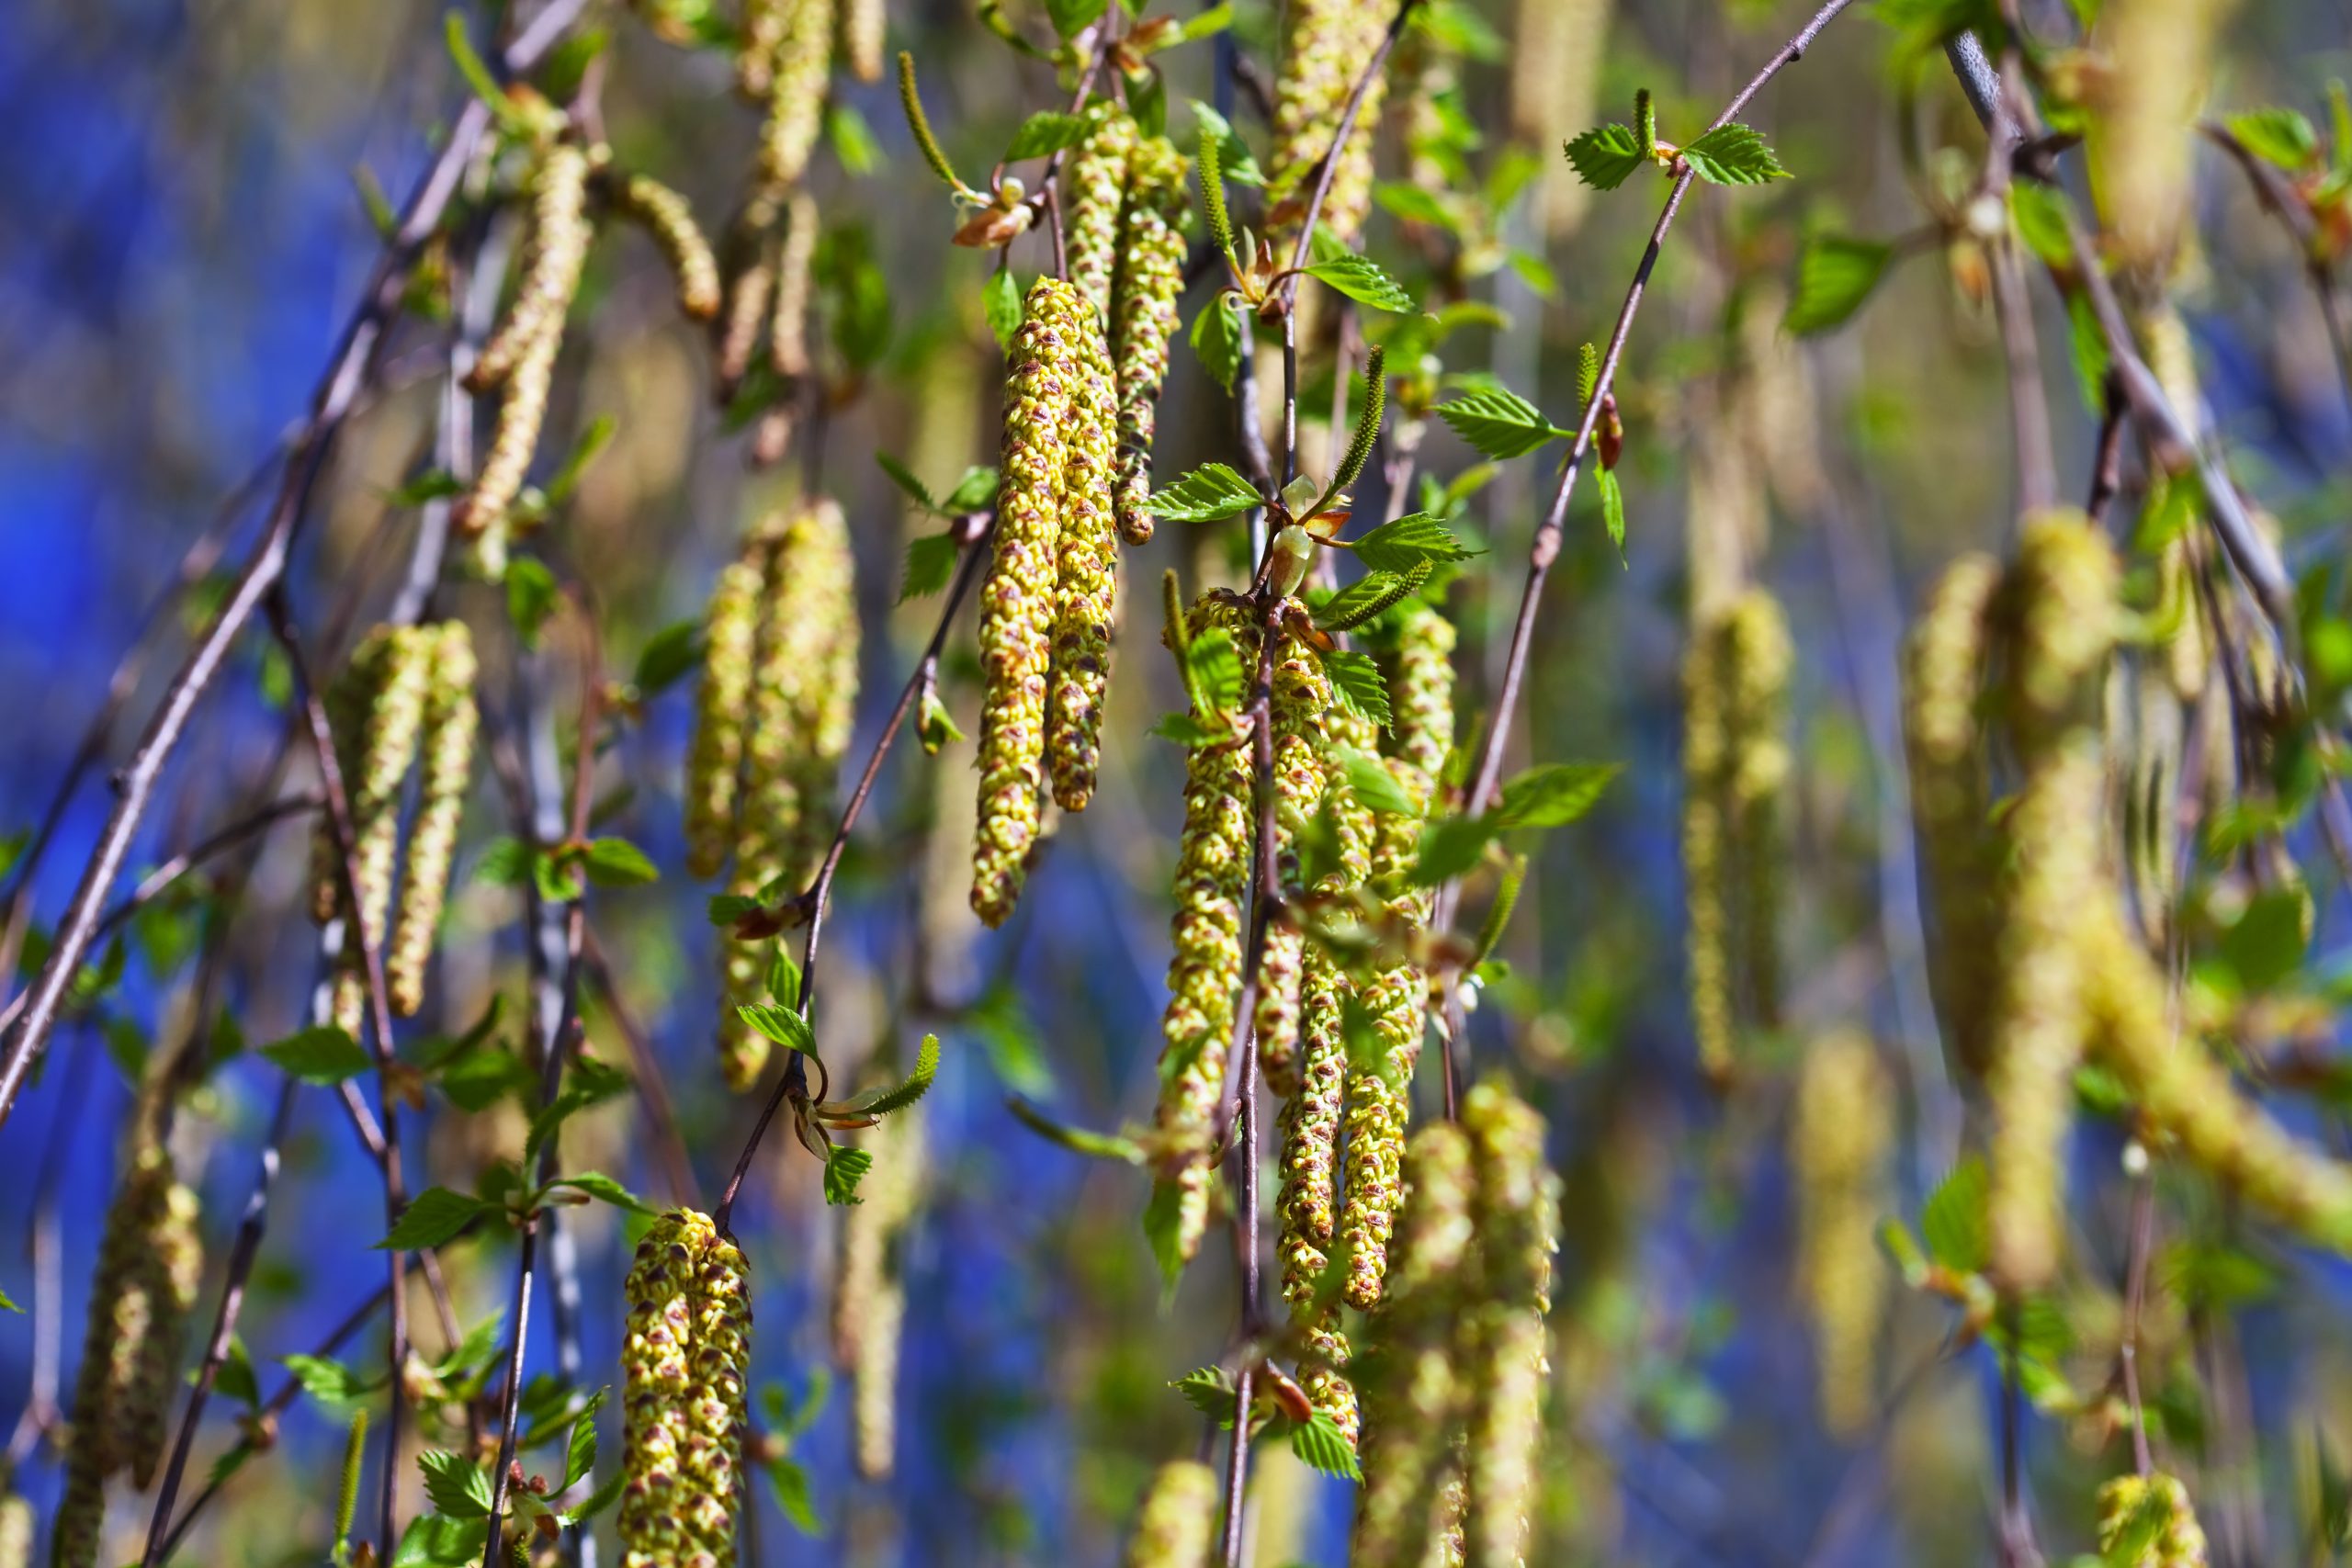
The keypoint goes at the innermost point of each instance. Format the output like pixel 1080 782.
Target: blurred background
pixel 184 227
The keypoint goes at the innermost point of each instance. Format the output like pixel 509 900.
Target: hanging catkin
pixel 788 322
pixel 1838 1142
pixel 16 1527
pixel 1300 696
pixel 1326 48
pixel 869 1295
pixel 1178 1522
pixel 450 722
pixel 802 59
pixel 715 762
pixel 1396 999
pixel 1308 1204
pixel 392 667
pixel 1150 276
pixel 2153 1509
pixel 2060 598
pixel 1095 190
pixel 863 27
pixel 666 218
pixel 1516 1217
pixel 1085 589
pixel 684 1365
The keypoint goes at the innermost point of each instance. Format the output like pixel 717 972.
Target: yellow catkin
pixel 2153 1509
pixel 795 91
pixel 2139 144
pixel 1212 885
pixel 1758 658
pixel 15 1530
pixel 350 700
pixel 1017 599
pixel 1556 50
pixel 761 30
pixel 750 285
pixel 2061 598
pixel 1838 1142
pixel 1413 1387
pixel 1501 1339
pixel 1150 276
pixel 1093 192
pixel 864 27
pixel 451 721
pixel 1178 1521
pixel 1327 46
pixel 1086 587
pixel 685 1359
pixel 715 761
pixel 399 675
pixel 869 1297
pixel 1421 689
pixel 1942 674
pixel 1308 1204
pixel 1301 695
pixel 1707 928
pixel 788 324
pixel 666 218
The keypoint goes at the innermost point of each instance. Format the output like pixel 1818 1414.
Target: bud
pixel 1294 557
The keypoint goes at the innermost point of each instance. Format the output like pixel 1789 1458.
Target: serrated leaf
pixel 1364 281
pixel 917 1084
pixel 931 561
pixel 328 1382
pixel 531 597
pixel 1206 495
pixel 904 478
pixel 1498 422
pixel 1318 1442
pixel 1407 542
pixel 1605 156
pixel 1356 681
pixel 783 1025
pixel 433 1216
pixel 1371 783
pixel 783 977
pixel 1733 154
pixel 456 1485
pixel 1587 374
pixel 1952 1220
pixel 844 1168
pixel 596 1184
pixel 319 1055
pixel 616 863
pixel 1216 668
pixel 1451 846
pixel 432 1540
pixel 1078 1140
pixel 1612 507
pixel 1216 339
pixel 1835 273
pixel 1046 131
pixel 2280 136
pixel 596 1501
pixel 1000 303
pixel 1554 795
pixel 1209 1391
pixel 1366 597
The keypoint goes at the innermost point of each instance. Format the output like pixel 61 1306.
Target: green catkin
pixel 666 218
pixel 399 676
pixel 1085 589
pixel 150 1261
pixel 1396 999
pixel 683 1364
pixel 1308 1205
pixel 1327 46
pixel 1838 1142
pixel 2060 597
pixel 1096 188
pixel 802 59
pixel 451 721
pixel 1177 1519
pixel 1412 1385
pixel 1144 310
pixel 788 324
pixel 869 1298
pixel 1017 600
pixel 762 30
pixel 1758 657
pixel 1211 884
pixel 1517 1219
pixel 1942 669
pixel 15 1530
pixel 864 27
pixel 1300 696
pixel 2182 1093
pixel 715 761
pixel 1422 690
pixel 2125 1508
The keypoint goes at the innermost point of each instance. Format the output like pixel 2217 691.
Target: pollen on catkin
pixel 802 59
pixel 1150 276
pixel 1086 586
pixel 863 29
pixel 1211 884
pixel 715 760
pixel 1421 689
pixel 1018 597
pixel 1517 1219
pixel 685 1359
pixel 1326 47
pixel 2061 601
pixel 1412 1386
pixel 1178 1521
pixel 16 1528
pixel 450 722
pixel 1096 188
pixel 1300 696
pixel 666 218
pixel 2158 1506
pixel 1308 1206
pixel 395 664
pixel 1942 677
pixel 1839 1138
pixel 1397 1001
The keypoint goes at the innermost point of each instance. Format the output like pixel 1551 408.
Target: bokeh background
pixel 181 234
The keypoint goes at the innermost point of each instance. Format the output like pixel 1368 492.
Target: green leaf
pixel 1553 795
pixel 1835 273
pixel 1362 281
pixel 7 1305
pixel 1370 782
pixel 604 1497
pixel 1000 303
pixel 1410 541
pixel 853 138
pixel 1078 1140
pixel 1953 1222
pixel 1216 668
pixel 789 1482
pixel 2040 213
pixel 328 1382
pixel 1733 154
pixel 596 1184
pixel 934 726
pixel 783 1025
pixel 1587 374
pixel 2280 136
pixel 784 978
pixel 1356 681
pixel 2266 945
pixel 1209 1391
pixel 457 1487
pixel 1499 423
pixel 1414 204
pixel 917 1085
pixel 1612 507
pixel 478 77
pixel 2086 346
pixel 726 909
pixel 530 597
pixel 1206 495
pixel 1366 597
pixel 667 657
pixel 1216 339
pixel 1046 131
pixel 616 863
pixel 1071 17
pixel 931 561
pixel 904 478
pixel 506 862
pixel 1318 1442
pixel 434 1541
pixel 973 491
pixel 1187 731
pixel 844 1167
pixel 433 1216
pixel 593 440
pixel 235 1379
pixel 319 1055
pixel 1233 158
pixel 1606 156
pixel 1451 846
pixel 1162 1219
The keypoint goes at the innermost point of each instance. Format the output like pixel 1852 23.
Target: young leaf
pixel 1835 275
pixel 328 1382
pixel 1409 542
pixel 1356 680
pixel 596 1184
pixel 1362 281
pixel 667 657
pixel 457 1488
pixel 1553 795
pixel 1216 339
pixel 1606 156
pixel 1000 303
pixel 784 1026
pixel 1613 508
pixel 1733 154
pixel 1209 1391
pixel 789 1482
pixel 1452 845
pixel 616 863
pixel 1206 495
pixel 1499 423
pixel 931 561
pixel 1187 731
pixel 917 1085
pixel 1370 782
pixel 1047 131
pixel 1952 1220
pixel 604 1497
pixel 531 597
pixel 1214 669
pixel 904 478
pixel 844 1167
pixel 433 1217
pixel 322 1055
pixel 1078 1140
pixel 434 1540
pixel 1071 17
pixel 2280 136
pixel 2040 213
pixel 972 489
pixel 1318 1442
pixel 1587 374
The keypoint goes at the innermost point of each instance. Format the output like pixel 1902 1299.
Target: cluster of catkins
pixel 2056 973
pixel 150 1261
pixel 778 698
pixel 1734 765
pixel 685 1363
pixel 1325 49
pixel 869 1290
pixel 407 691
pixel 2153 1511
pixel 519 359
pixel 1453 1371
pixel 1840 1136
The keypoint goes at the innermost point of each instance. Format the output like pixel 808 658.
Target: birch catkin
pixel 684 1362
pixel 2129 1504
pixel 869 1297
pixel 802 59
pixel 1327 46
pixel 863 27
pixel 666 218
pixel 1086 587
pixel 1300 696
pixel 450 723
pixel 1095 190
pixel 393 667
pixel 1838 1142
pixel 715 762
pixel 1178 1522
pixel 1516 1216
pixel 1397 1001
pixel 1150 276
pixel 1308 1204
pixel 16 1528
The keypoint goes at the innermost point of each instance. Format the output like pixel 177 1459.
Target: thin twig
pixel 2107 465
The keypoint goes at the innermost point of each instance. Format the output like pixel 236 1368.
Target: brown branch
pixel 2278 197
pixel 2107 464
